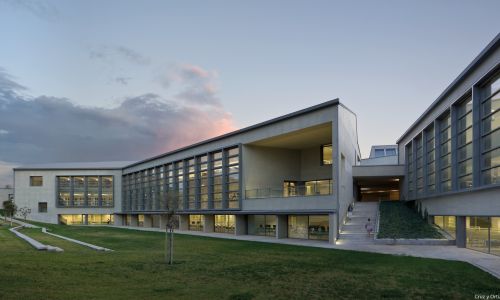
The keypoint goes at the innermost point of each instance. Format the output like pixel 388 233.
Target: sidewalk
pixel 486 262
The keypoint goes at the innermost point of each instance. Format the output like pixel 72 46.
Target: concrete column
pixel 332 234
pixel 461 236
pixel 86 219
pixel 134 220
pixel 163 221
pixel 241 225
pixel 208 223
pixel 281 226
pixel 148 221
pixel 118 220
pixel 183 222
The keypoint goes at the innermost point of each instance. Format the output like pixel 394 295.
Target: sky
pixel 125 80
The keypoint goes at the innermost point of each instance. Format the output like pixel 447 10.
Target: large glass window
pixel 431 160
pixel 107 191
pixel 191 183
pixel 179 182
pixel 420 165
pixel 195 223
pixel 445 147
pixel 464 144
pixel 410 171
pixel 93 191
pixel 326 154
pixel 78 191
pixel 71 219
pixel 477 231
pixel 446 223
pixel 203 181
pixel 64 190
pixel 313 227
pixel 490 130
pixel 224 223
pixel 262 225
pixel 100 219
pixel 232 179
pixel 217 179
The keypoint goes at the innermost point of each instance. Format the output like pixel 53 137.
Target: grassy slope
pixel 399 221
pixel 208 268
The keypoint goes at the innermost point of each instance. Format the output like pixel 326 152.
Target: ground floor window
pixel 313 227
pixel 100 219
pixel 483 234
pixel 224 223
pixel 447 224
pixel 262 225
pixel 195 223
pixel 140 220
pixel 71 219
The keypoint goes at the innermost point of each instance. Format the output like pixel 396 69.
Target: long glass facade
pixel 490 132
pixel 209 181
pixel 446 223
pixel 462 146
pixel 264 225
pixel 84 191
pixel 224 223
pixel 314 227
pixel 483 234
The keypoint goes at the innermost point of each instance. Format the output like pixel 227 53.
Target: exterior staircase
pixel 354 229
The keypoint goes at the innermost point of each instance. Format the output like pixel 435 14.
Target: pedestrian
pixel 369 227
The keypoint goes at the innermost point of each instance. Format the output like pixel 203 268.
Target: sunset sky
pixel 124 80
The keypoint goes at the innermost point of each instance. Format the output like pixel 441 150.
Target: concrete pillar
pixel 332 234
pixel 208 223
pixel 461 236
pixel 183 222
pixel 163 221
pixel 118 220
pixel 86 219
pixel 148 221
pixel 241 225
pixel 134 220
pixel 281 226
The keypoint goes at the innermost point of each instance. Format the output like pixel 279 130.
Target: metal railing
pixel 319 188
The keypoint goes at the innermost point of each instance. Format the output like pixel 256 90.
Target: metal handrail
pixel 315 189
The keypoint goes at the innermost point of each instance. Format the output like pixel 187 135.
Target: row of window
pixel 85 191
pixel 208 181
pixel 445 150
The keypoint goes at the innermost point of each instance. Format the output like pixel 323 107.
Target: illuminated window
pixel 36 181
pixel 326 154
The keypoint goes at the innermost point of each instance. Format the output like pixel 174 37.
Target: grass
pixel 208 268
pixel 399 221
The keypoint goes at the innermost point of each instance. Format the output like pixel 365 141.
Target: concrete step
pixel 360 219
pixel 353 227
pixel 355 236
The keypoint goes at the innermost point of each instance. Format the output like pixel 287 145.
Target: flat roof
pixel 239 131
pixel 490 47
pixel 102 165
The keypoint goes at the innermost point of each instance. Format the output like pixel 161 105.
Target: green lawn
pixel 208 268
pixel 399 221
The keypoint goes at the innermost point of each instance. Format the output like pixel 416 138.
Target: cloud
pixel 39 8
pixel 51 129
pixel 122 80
pixel 110 53
pixel 198 86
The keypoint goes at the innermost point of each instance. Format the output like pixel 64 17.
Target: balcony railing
pixel 318 188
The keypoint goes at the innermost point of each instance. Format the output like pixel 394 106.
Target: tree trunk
pixel 171 246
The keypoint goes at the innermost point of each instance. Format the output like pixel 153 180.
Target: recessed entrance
pixel 377 189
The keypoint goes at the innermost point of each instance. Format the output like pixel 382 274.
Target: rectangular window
pixel 36 181
pixel 490 129
pixel 326 154
pixel 42 207
pixel 445 159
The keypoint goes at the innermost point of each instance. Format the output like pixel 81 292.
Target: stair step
pixel 355 236
pixel 349 226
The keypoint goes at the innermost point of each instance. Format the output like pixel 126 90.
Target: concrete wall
pixel 310 165
pixel 310 203
pixel 347 158
pixel 479 203
pixel 29 196
pixel 268 167
pixel 385 160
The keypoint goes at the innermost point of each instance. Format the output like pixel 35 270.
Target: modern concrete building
pixel 295 176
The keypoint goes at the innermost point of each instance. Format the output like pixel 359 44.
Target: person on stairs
pixel 369 227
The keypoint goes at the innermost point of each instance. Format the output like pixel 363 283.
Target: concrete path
pixel 486 262
pixel 44 230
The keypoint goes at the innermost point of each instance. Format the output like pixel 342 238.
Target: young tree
pixel 172 207
pixel 24 211
pixel 10 208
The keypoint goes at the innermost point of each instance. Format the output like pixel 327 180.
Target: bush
pixel 398 221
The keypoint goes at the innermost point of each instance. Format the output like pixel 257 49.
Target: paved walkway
pixel 486 262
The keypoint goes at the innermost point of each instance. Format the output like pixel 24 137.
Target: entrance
pixel 377 189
